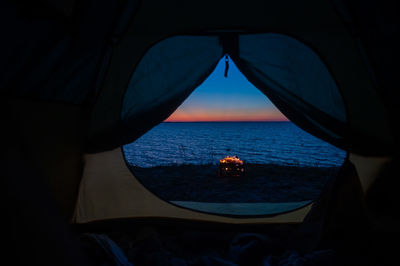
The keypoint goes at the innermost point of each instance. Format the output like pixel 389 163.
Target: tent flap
pixel 164 78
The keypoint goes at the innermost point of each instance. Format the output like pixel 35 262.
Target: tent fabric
pixel 61 50
pixel 286 70
pixel 36 229
pixel 82 51
pixel 290 67
pixel 51 134
pixel 378 41
pixel 280 65
pixel 364 128
pixel 297 81
pixel 57 54
pixel 165 76
pixel 178 18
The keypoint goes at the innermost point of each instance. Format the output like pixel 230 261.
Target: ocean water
pixel 280 143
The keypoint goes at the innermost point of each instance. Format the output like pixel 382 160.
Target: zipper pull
pixel 226 66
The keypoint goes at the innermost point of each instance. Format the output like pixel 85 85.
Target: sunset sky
pixel 226 99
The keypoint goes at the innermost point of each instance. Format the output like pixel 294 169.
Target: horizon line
pixel 228 121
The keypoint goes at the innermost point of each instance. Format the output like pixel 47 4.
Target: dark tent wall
pixel 39 177
pixel 50 135
pixel 375 25
pixel 53 54
pixel 56 51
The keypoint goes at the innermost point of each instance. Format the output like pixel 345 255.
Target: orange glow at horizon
pixel 201 115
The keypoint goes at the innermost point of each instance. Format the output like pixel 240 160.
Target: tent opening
pixel 181 160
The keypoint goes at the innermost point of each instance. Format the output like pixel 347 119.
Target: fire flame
pixel 231 159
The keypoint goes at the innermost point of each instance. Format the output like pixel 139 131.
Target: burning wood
pixel 231 166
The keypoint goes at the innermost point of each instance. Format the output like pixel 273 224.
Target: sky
pixel 226 99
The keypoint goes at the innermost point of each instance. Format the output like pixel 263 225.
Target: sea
pixel 283 143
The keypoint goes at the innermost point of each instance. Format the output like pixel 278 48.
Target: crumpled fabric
pixel 244 249
pixel 292 258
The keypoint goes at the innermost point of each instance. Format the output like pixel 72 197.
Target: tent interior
pixel 84 78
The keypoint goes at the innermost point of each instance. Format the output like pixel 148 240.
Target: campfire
pixel 231 166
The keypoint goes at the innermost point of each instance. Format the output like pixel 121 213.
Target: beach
pixel 261 183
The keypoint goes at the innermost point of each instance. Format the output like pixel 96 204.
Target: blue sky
pixel 227 99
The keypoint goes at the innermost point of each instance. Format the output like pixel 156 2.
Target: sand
pixel 262 183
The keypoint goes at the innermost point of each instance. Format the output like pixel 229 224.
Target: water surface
pixel 255 142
